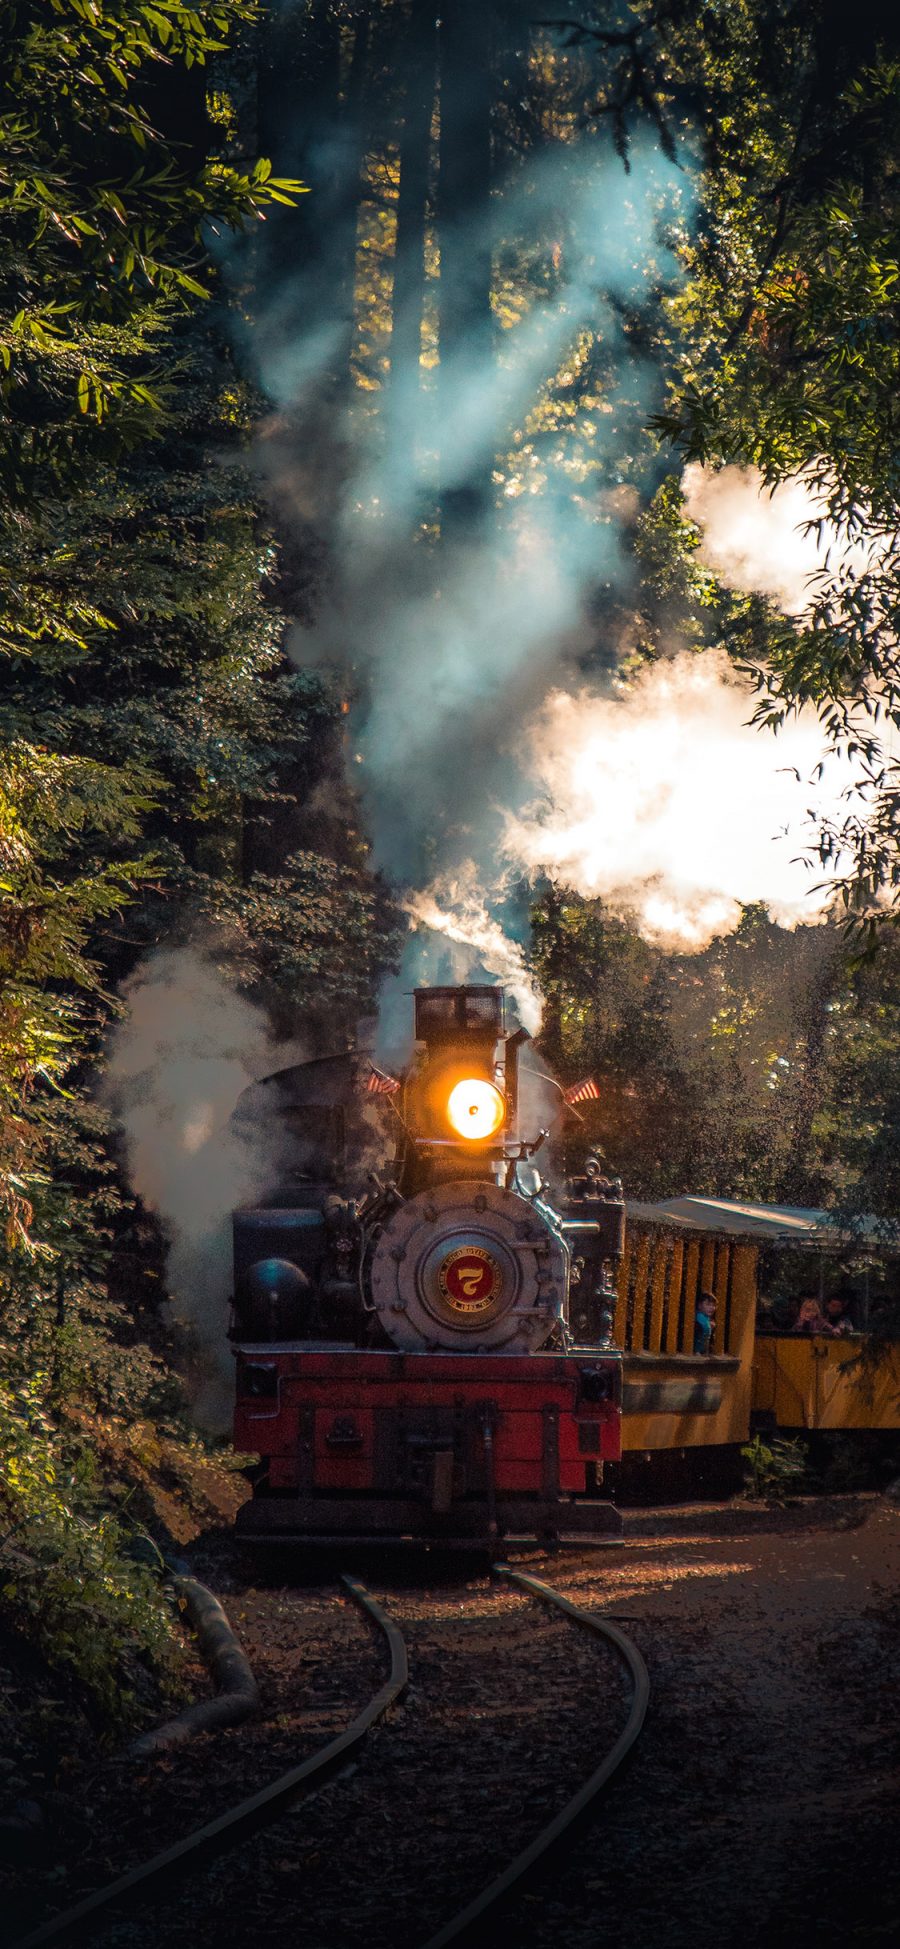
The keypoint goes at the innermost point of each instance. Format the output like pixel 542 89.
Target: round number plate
pixel 470 1279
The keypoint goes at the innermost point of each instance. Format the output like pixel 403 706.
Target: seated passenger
pixel 810 1318
pixel 704 1321
pixel 837 1317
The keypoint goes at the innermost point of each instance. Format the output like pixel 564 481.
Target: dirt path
pixel 758 1810
pixel 761 1805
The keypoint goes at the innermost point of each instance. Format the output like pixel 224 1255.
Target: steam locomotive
pixel 430 1358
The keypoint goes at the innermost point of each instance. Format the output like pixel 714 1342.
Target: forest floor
pixel 758 1809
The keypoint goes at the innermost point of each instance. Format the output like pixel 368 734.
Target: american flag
pixel 380 1084
pixel 586 1092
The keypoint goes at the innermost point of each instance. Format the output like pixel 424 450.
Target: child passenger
pixel 811 1318
pixel 704 1322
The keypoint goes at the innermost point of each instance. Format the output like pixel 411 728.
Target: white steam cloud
pixel 469 692
pixel 779 542
pixel 661 799
pixel 178 1062
pixel 454 651
pixel 454 906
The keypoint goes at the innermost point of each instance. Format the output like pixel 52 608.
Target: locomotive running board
pixel 285 1519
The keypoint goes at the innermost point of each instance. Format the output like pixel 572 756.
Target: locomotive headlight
pixel 476 1109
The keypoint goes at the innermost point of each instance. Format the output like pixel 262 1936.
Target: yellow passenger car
pixel 677 1401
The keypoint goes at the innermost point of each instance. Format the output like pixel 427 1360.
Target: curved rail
pixel 243 1820
pixel 477 1910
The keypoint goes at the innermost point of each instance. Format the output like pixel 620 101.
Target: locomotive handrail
pixel 243 1820
pixel 470 1917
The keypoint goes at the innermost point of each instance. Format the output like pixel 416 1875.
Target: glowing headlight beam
pixel 476 1109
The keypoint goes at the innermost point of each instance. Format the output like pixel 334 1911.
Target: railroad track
pixel 196 1850
pixel 469 1921
pixel 247 1816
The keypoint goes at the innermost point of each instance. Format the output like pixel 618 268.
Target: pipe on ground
pixel 237 1693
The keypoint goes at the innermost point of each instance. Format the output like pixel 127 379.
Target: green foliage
pixel 606 1014
pixel 67 1583
pixel 51 806
pixel 55 1308
pixel 785 357
pixel 318 931
pixel 765 1068
pixel 149 727
pixel 858 1127
pixel 774 1467
pixel 103 234
pixel 715 1068
pixel 102 217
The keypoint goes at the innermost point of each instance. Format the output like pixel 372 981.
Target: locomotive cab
pixel 427 1357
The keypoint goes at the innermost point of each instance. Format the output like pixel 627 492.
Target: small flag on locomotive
pixel 424 1351
pixel 586 1092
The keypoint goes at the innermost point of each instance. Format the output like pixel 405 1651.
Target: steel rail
pixel 248 1816
pixel 469 1918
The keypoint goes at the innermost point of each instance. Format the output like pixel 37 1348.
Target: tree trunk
pixel 310 79
pixel 466 326
pixel 418 55
pixel 308 96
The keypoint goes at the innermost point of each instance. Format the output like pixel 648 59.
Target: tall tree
pixel 103 243
pixel 110 553
pixel 786 358
pixel 418 67
pixel 464 234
